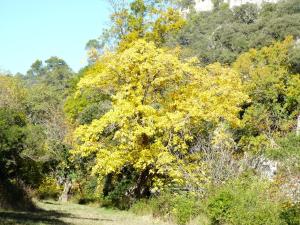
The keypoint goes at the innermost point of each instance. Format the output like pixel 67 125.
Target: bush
pixel 219 206
pixel 291 214
pixel 162 205
pixel 287 152
pixel 245 202
pixel 15 196
pixel 185 208
pixel 180 208
pixel 48 189
pixel 287 147
pixel 120 197
pixel 86 191
pixel 141 207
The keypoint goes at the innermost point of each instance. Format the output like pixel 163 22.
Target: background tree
pixel 221 35
pixel 273 109
pixel 151 20
pixel 48 86
pixel 19 147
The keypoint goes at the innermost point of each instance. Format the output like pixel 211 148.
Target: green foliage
pixel 150 20
pixel 274 96
pixel 294 59
pixel 87 105
pixel 221 35
pixel 14 137
pixel 48 189
pixel 291 214
pixel 13 94
pixel 181 208
pixel 32 126
pixel 141 207
pixel 55 73
pixel 14 196
pixel 246 13
pixel 162 205
pixel 48 84
pixel 287 152
pixel 185 208
pixel 88 190
pixel 119 189
pixel 244 201
pixel 288 147
pixel 42 103
pixel 118 197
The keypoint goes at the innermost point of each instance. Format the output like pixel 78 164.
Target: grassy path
pixel 68 214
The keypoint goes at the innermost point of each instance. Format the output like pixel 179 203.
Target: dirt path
pixel 74 214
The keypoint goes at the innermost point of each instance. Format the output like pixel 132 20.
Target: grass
pixel 52 212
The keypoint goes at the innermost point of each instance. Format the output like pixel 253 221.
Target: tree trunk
pixel 298 126
pixel 142 187
pixel 66 192
pixel 108 186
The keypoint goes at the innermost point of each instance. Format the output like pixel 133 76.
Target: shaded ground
pixel 74 214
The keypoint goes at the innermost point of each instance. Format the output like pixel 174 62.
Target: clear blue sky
pixel 39 29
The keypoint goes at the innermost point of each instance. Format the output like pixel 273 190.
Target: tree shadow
pixel 50 203
pixel 89 218
pixel 39 216
pixel 35 217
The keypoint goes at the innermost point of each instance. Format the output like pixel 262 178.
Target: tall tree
pixel 149 19
pixel 160 105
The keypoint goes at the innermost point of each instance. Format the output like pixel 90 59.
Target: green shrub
pixel 185 208
pixel 48 189
pixel 219 206
pixel 120 197
pixel 291 214
pixel 141 207
pixel 15 196
pixel 245 202
pixel 162 205
pixel 180 208
pixel 288 147
pixel 287 152
pixel 86 191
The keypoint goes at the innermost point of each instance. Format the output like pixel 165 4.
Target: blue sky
pixel 39 29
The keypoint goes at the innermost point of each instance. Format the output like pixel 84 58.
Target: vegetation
pixel 183 119
pixel 223 34
pixel 244 202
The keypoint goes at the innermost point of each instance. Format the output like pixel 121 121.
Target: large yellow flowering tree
pixel 160 105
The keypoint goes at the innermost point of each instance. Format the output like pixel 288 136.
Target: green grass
pixel 66 214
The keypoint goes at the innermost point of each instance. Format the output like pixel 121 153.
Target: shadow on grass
pixel 36 217
pixel 50 203
pixel 39 217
